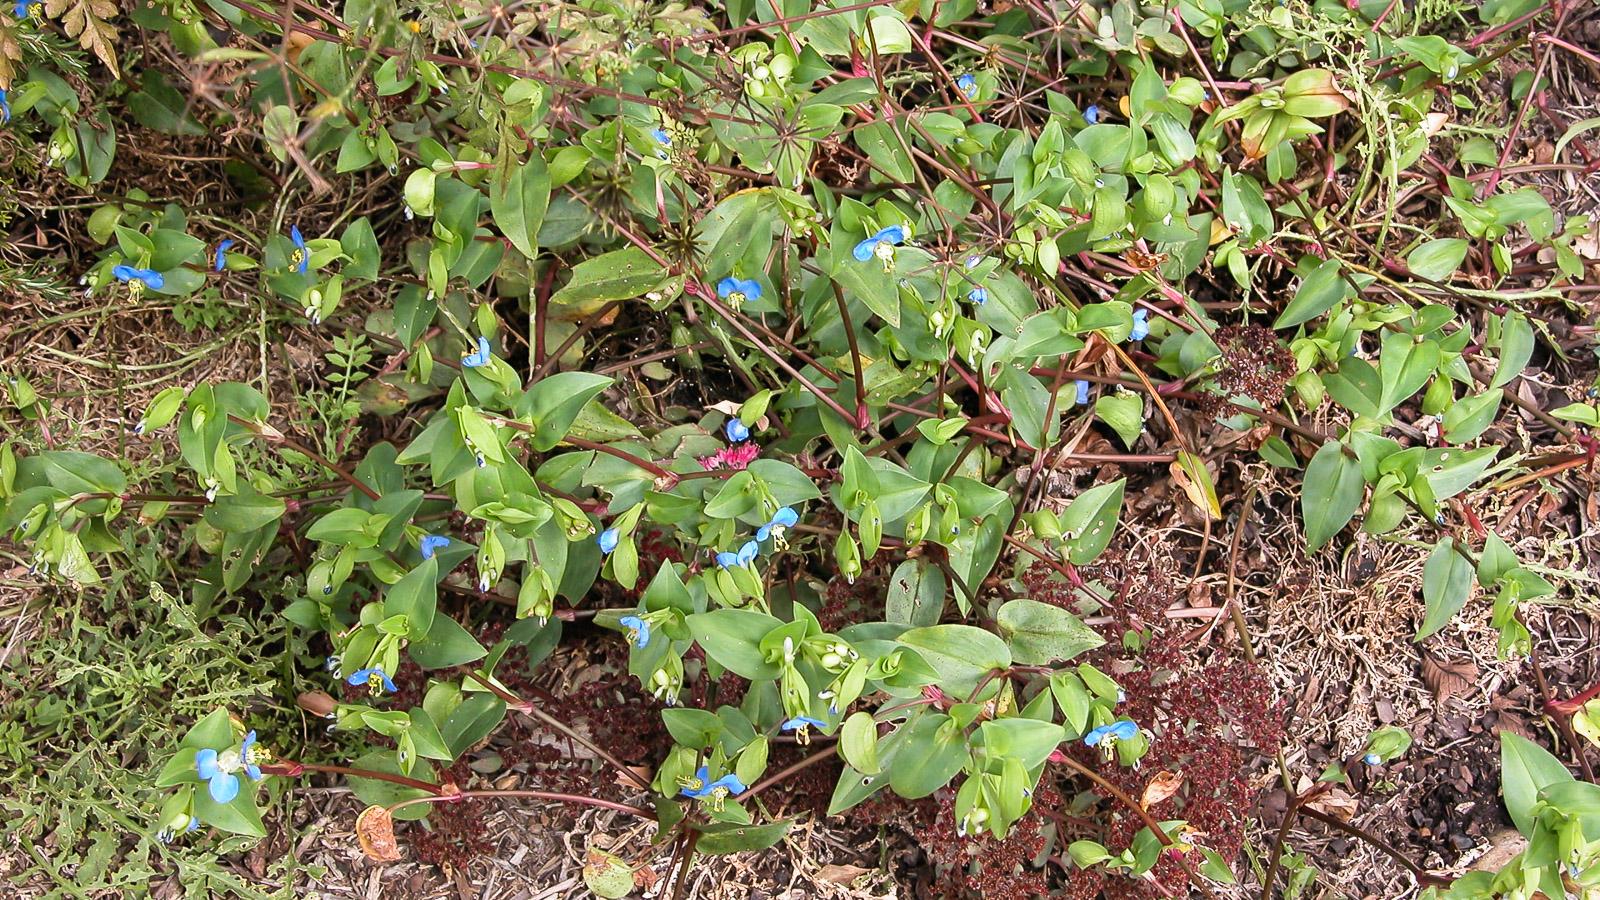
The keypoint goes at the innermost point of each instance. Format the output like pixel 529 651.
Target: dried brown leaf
pixel 375 832
pixel 86 21
pixel 1448 679
pixel 1160 788
pixel 840 874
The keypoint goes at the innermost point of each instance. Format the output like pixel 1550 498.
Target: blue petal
pixel 729 782
pixel 751 288
pixel 749 552
pixel 1091 114
pixel 1141 325
pixel 151 278
pixel 736 430
pixel 661 136
pixel 640 627
pixel 785 517
pixel 222 253
pixel 608 540
pixel 863 251
pixel 727 560
pixel 799 722
pixel 224 787
pixel 727 286
pixel 433 543
pixel 294 235
pixel 1083 392
pixel 1124 730
pixel 894 234
pixel 388 683
pixel 764 532
pixel 978 295
pixel 124 273
pixel 205 763
pixel 967 85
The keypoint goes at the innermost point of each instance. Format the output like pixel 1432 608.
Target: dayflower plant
pixel 138 279
pixel 374 678
pixel 701 787
pixel 300 256
pixel 881 244
pixel 737 291
pixel 220 260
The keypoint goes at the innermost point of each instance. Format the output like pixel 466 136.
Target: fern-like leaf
pixel 86 20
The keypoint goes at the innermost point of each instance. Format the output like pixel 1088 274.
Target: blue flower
pixel 217 772
pixel 967 85
pixel 746 555
pixel 1083 392
pixel 736 430
pixel 25 7
pixel 978 295
pixel 1092 114
pixel 608 540
pixel 881 244
pixel 376 678
pixel 661 137
pixel 481 357
pixel 727 560
pixel 5 107
pixel 1141 325
pixel 1372 759
pixel 301 257
pixel 738 290
pixel 638 629
pixel 781 521
pixel 801 726
pixel 433 543
pixel 222 254
pixel 1108 735
pixel 701 787
pixel 250 756
pixel 149 278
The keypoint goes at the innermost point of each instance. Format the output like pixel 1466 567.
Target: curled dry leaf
pixel 840 874
pixel 375 831
pixel 1448 679
pixel 1160 788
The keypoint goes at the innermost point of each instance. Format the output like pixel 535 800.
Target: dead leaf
pixel 86 21
pixel 1448 679
pixel 375 831
pixel 1335 803
pixel 840 874
pixel 1160 788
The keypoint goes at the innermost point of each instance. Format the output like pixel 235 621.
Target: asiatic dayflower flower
pixel 1083 392
pixel 881 245
pixel 24 8
pixel 1141 325
pixel 701 787
pixel 1091 114
pixel 736 430
pixel 1372 759
pixel 737 457
pixel 5 107
pixel 431 544
pixel 638 630
pixel 480 357
pixel 608 540
pixel 300 258
pixel 801 726
pixel 221 258
pixel 738 290
pixel 138 279
pixel 661 136
pixel 967 85
pixel 374 678
pixel 978 295
pixel 218 771
pixel 747 554
pixel 781 521
pixel 252 756
pixel 1106 736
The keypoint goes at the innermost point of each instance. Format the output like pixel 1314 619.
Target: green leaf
pixel 732 637
pixel 1437 260
pixel 721 839
pixel 1039 633
pixel 1124 412
pixel 75 472
pixel 447 644
pixel 618 275
pixel 916 594
pixel 1525 770
pixel 375 792
pixel 961 654
pixel 214 731
pixel 858 741
pixel 238 816
pixel 244 511
pixel 692 727
pixel 1332 492
pixel 471 722
pixel 518 204
pixel 1089 522
pixel 1318 292
pixel 553 404
pixel 1446 582
pixel 933 752
pixel 415 596
pixel 1516 346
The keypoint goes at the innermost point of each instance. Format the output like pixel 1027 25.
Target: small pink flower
pixel 736 457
